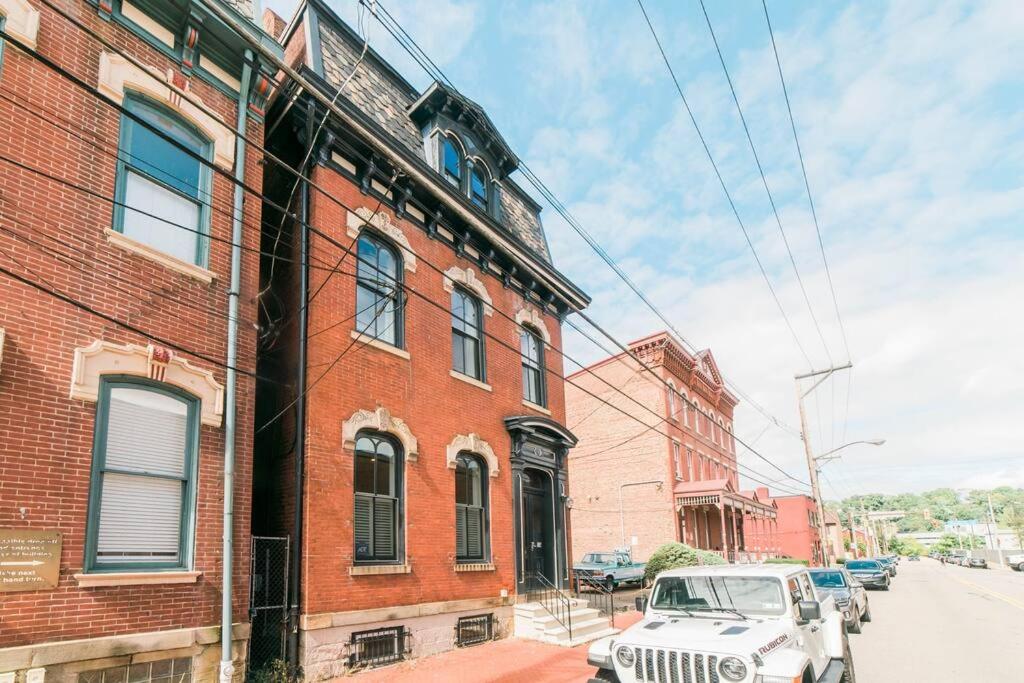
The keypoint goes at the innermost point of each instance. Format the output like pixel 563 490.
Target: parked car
pixel 1016 562
pixel 755 622
pixel 977 562
pixel 849 594
pixel 914 558
pixel 610 568
pixel 871 573
pixel 887 564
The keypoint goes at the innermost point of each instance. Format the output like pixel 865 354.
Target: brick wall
pixel 46 437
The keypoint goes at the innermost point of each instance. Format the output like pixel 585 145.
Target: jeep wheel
pixel 609 584
pixel 606 675
pixel 848 673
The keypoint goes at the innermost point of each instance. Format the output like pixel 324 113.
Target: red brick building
pixel 116 220
pixel 430 444
pixel 656 460
pixel 797 534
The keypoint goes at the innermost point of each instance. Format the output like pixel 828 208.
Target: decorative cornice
pixel 155 362
pixel 528 315
pixel 473 444
pixel 381 222
pixel 468 278
pixel 118 75
pixel 380 420
pixel 22 21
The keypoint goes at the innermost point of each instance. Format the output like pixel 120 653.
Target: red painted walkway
pixel 502 661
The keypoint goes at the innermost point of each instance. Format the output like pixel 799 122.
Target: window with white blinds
pixel 470 509
pixel 377 519
pixel 142 477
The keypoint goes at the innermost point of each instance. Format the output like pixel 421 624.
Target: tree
pixel 1013 519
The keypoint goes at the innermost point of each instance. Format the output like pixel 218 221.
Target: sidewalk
pixel 502 661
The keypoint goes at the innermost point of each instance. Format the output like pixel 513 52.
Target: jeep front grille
pixel 670 666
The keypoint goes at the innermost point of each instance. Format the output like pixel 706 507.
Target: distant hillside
pixel 930 510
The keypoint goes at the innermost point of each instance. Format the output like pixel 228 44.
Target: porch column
pixel 707 530
pixel 735 538
pixel 721 522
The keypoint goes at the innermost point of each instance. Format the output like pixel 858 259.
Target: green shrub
pixel 840 560
pixel 786 560
pixel 273 672
pixel 676 555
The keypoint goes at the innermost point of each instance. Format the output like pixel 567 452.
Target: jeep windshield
pixel 598 558
pixel 743 594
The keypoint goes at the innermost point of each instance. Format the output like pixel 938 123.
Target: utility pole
pixel 812 466
pixel 992 523
pixel 853 536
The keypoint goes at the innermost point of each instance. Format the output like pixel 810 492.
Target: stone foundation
pixel 63 661
pixel 325 638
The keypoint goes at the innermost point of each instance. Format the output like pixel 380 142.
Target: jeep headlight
pixel 732 669
pixel 625 656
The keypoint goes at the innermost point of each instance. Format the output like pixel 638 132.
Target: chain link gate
pixel 268 601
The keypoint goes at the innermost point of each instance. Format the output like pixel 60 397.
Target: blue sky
pixel 911 118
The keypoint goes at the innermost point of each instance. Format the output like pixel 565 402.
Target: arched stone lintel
pixel 468 278
pixel 529 316
pixel 154 362
pixel 473 444
pixel 382 223
pixel 380 420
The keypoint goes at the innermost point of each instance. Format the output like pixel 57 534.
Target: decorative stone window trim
pixel 475 567
pixel 528 316
pixel 122 241
pixel 379 420
pixel 473 444
pixel 381 222
pixel 470 380
pixel 468 278
pixel 117 75
pixel 135 579
pixel 378 569
pixel 155 362
pixel 533 406
pixel 378 344
pixel 22 21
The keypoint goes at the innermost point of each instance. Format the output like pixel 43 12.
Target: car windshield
pixel 749 595
pixel 599 558
pixel 828 579
pixel 863 564
pixel 885 560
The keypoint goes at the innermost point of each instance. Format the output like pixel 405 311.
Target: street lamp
pixel 828 455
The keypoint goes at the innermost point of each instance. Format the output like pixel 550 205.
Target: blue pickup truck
pixel 610 568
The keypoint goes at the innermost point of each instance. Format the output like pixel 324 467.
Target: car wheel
pixel 609 584
pixel 885 586
pixel 867 612
pixel 855 627
pixel 849 676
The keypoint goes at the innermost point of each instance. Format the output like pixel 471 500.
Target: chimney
pixel 762 492
pixel 273 24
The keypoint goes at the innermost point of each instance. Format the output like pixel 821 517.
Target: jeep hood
pixel 703 634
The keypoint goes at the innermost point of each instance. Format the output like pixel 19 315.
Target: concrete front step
pixel 534 622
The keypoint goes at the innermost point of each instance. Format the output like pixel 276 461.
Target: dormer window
pixel 478 190
pixel 451 162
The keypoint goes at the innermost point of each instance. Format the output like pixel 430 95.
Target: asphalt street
pixel 944 624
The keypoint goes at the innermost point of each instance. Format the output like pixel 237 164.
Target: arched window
pixel 671 391
pixel 142 491
pixel 378 291
pixel 532 350
pixel 479 186
pixel 467 345
pixel 451 162
pixel 685 409
pixel 162 191
pixel 471 538
pixel 377 525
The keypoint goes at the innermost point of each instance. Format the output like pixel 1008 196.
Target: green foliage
pixel 905 546
pixel 1013 519
pixel 676 555
pixel 274 672
pixel 786 560
pixel 930 510
pixel 951 542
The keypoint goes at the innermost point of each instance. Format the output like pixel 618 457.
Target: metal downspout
pixel 227 667
pixel 295 558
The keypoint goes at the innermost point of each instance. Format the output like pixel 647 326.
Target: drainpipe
pixel 227 667
pixel 295 558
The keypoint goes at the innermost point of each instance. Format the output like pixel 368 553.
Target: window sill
pixel 475 567
pixel 469 380
pixel 534 406
pixel 378 569
pixel 135 578
pixel 122 241
pixel 378 344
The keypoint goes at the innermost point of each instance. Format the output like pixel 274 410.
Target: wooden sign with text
pixel 29 559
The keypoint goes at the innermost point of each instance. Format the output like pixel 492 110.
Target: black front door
pixel 538 536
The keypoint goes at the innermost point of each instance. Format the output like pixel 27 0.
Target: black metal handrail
pixel 553 600
pixel 598 594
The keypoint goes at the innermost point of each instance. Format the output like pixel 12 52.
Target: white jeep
pixel 730 624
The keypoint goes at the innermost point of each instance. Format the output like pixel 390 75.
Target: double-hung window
pixel 532 351
pixel 163 189
pixel 470 509
pixel 467 344
pixel 689 464
pixel 677 460
pixel 478 193
pixel 378 499
pixel 378 290
pixel 142 490
pixel 451 162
